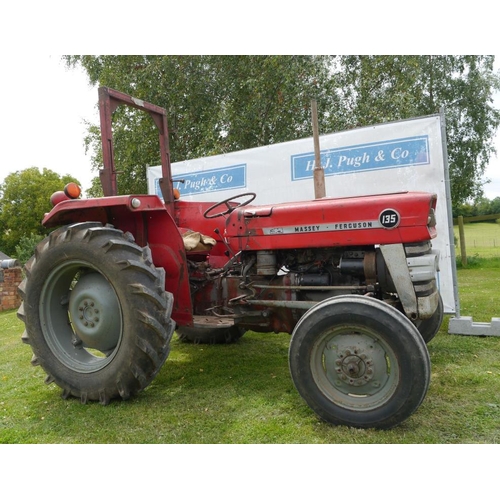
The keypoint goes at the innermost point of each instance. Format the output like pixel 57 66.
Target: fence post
pixel 463 251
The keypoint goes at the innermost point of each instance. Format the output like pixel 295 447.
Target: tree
pixel 495 205
pixel 375 89
pixel 26 246
pixel 481 206
pixel 218 104
pixel 24 199
pixel 215 104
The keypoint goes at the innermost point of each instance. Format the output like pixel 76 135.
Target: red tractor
pixel 353 280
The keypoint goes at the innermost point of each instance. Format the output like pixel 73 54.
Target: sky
pixel 45 107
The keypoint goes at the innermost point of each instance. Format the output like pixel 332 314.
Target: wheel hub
pixel 89 313
pixel 354 368
pixel 95 313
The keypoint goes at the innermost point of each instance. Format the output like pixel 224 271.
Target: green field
pixel 482 239
pixel 243 393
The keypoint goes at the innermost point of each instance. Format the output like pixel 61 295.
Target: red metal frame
pixel 109 100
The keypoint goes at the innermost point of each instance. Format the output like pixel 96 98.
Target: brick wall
pixel 9 281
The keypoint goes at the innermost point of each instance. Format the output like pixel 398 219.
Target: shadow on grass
pixel 243 393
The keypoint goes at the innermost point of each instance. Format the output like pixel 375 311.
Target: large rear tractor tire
pixel 359 362
pixel 96 313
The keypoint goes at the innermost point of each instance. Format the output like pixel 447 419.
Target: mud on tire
pixel 96 313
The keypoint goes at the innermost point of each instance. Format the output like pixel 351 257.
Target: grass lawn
pixel 243 393
pixel 482 239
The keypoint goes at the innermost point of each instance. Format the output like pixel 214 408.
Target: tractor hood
pixel 362 220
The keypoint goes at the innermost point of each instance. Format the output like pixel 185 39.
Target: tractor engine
pixel 270 290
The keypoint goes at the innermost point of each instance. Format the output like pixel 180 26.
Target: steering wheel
pixel 229 208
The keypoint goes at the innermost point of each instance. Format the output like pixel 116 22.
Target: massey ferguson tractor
pixel 353 280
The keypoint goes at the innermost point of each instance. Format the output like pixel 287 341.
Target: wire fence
pixel 480 239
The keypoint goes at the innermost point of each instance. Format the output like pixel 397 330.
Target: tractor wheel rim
pixel 354 368
pixel 82 336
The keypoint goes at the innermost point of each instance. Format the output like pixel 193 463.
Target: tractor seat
pixel 196 242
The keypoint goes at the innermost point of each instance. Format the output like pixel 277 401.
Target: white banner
pixel 407 155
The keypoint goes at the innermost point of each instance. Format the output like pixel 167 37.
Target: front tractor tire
pixel 96 313
pixel 359 362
